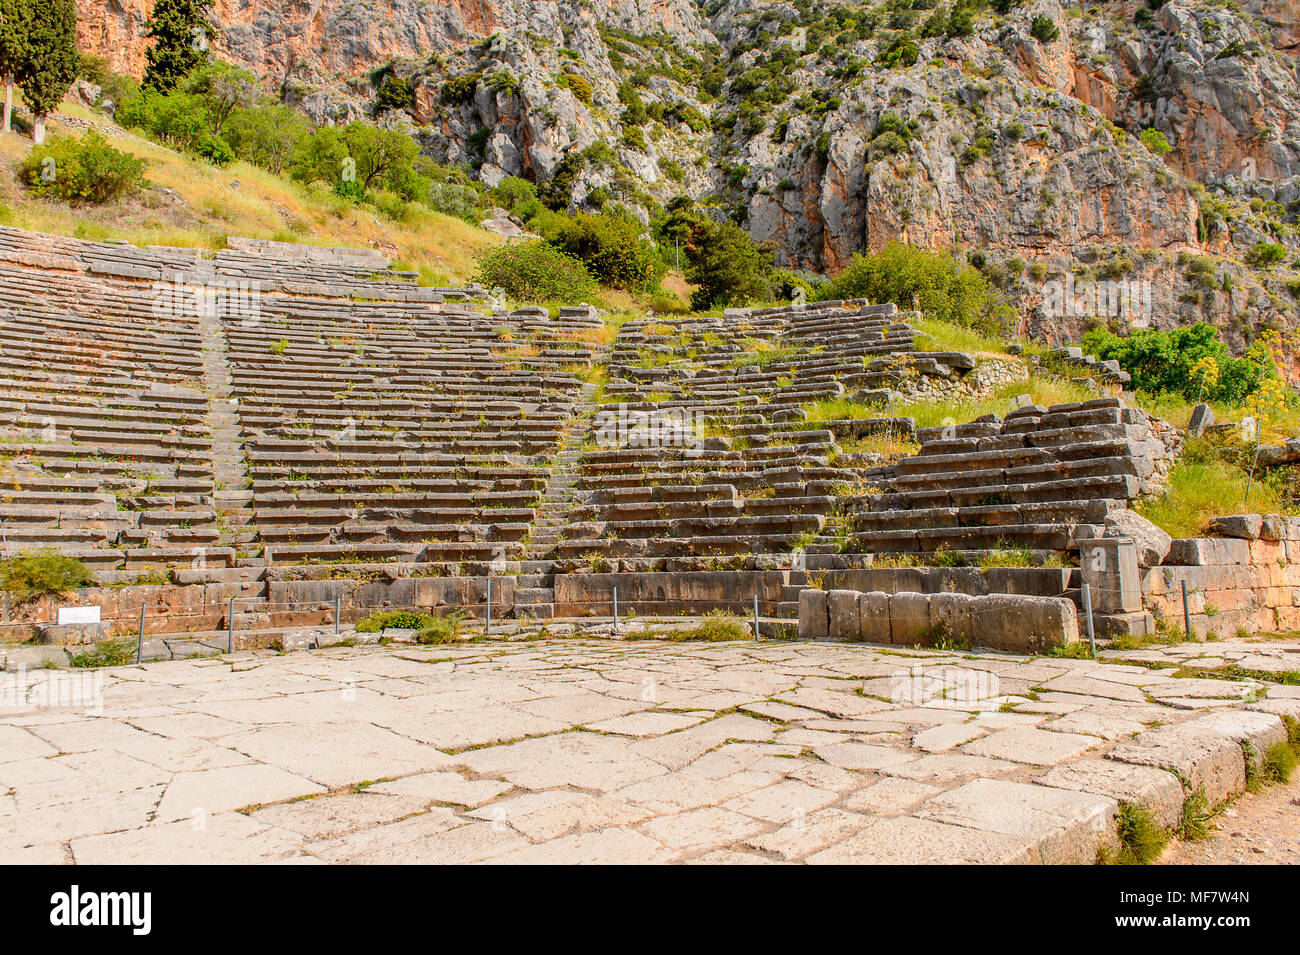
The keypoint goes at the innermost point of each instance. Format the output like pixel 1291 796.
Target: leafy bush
pixel 453 199
pixel 45 572
pixel 903 51
pixel 932 282
pixel 535 271
pixel 114 87
pixel 579 87
pixel 176 119
pixel 85 170
pixel 1154 140
pixel 1044 30
pixel 728 269
pixel 1265 255
pixel 1163 361
pixel 613 250
pixel 393 620
pixel 395 93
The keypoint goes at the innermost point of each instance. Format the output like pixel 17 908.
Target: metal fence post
pixel 1087 611
pixel 338 606
pixel 139 646
pixel 230 627
pixel 1187 612
pixel 616 610
pixel 755 614
pixel 487 626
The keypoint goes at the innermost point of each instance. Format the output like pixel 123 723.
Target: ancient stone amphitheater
pixel 275 436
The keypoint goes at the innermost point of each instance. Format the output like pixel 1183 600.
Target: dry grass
pixel 240 200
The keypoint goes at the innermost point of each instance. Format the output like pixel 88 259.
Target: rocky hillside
pixel 1126 162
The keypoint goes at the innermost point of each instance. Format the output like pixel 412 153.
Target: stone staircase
pixel 534 593
pixel 232 499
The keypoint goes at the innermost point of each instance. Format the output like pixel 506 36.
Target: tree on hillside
pixel 14 18
pixel 181 34
pixel 52 59
pixel 224 88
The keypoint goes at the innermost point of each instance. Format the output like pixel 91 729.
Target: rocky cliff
pixel 1132 151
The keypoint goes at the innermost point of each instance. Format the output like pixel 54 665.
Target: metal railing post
pixel 230 627
pixel 1087 611
pixel 487 625
pixel 139 646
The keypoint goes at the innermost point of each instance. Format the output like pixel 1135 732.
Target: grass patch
pixel 1195 823
pixel 1079 650
pixel 1141 838
pixel 45 572
pixel 717 626
pixel 1199 490
pixel 106 653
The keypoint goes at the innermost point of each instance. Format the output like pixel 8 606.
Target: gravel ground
pixel 1260 828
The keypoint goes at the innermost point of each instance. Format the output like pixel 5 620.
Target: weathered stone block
pixel 909 618
pixel 1109 567
pixel 1017 623
pixel 814 618
pixel 873 617
pixel 842 610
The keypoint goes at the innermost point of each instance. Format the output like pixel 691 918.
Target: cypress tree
pixel 15 16
pixel 181 32
pixel 52 59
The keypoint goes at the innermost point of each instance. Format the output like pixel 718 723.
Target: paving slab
pixel 589 751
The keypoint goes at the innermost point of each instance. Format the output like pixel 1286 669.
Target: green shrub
pixel 1154 140
pixel 215 150
pixel 1264 255
pixel 176 119
pixel 903 51
pixel 535 271
pixel 1044 30
pixel 86 170
pixel 613 250
pixel 393 620
pixel 932 282
pixel 453 199
pixel 45 572
pixel 579 87
pixel 1162 361
pixel 395 93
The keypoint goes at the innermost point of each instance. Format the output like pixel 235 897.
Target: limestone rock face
pixel 809 131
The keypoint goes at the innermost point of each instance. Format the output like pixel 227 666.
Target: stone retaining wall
pixel 652 594
pixel 1001 621
pixel 1247 579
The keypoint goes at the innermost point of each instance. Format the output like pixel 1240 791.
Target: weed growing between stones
pixel 394 620
pixel 1141 838
pixel 716 627
pixel 1279 763
pixel 1195 823
pixel 440 630
pixel 106 653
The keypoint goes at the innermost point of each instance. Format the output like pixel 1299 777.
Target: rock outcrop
pixel 1099 146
